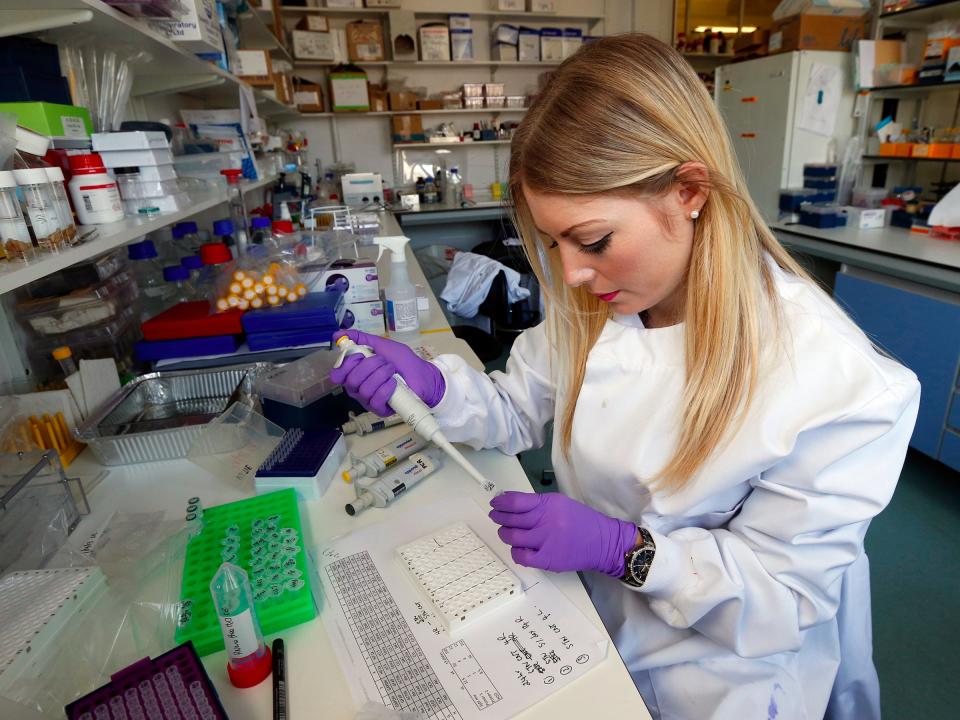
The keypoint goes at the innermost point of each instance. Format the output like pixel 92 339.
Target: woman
pixel 723 433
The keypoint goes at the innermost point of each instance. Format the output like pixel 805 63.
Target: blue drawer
pixel 953 419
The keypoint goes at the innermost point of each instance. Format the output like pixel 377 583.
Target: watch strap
pixel 638 560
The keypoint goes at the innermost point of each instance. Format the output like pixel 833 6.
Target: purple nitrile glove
pixel 552 532
pixel 370 380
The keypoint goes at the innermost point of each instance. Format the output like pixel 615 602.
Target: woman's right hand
pixel 370 381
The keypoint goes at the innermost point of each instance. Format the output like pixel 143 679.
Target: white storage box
pixel 129 141
pixel 502 51
pixel 198 29
pixel 366 317
pixel 508 5
pixel 136 158
pixel 150 173
pixel 309 45
pixel 551 44
pixel 459 21
pixel 572 40
pixel 461 44
pixel 866 218
pixel 528 48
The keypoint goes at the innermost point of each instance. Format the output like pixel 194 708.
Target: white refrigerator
pixel 783 111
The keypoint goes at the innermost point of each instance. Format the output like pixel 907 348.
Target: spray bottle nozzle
pixel 393 243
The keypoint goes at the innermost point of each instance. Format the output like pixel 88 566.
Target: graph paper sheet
pixel 395 650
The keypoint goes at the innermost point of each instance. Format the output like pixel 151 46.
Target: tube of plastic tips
pixel 248 657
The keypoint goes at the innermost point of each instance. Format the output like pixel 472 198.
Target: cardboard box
pixel 309 45
pixel 508 5
pixel 431 104
pixel 459 21
pixel 872 54
pixel 359 281
pixel 401 100
pixel 367 317
pixel 51 119
pixel 382 3
pixel 572 40
pixel 254 67
pixel 528 49
pixel 343 3
pixel 542 6
pixel 197 29
pixel 313 23
pixel 434 42
pixel 379 98
pixel 817 32
pixel 502 51
pixel 551 44
pixel 308 98
pixel 408 128
pixel 403 34
pixel 348 92
pixel 365 41
pixel 283 86
pixel 461 44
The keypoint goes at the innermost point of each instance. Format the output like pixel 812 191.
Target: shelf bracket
pixel 145 85
pixel 19 22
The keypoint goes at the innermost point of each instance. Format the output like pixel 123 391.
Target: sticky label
pixel 239 635
pixel 73 126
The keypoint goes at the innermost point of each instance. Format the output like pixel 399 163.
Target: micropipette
pixel 380 492
pixel 416 414
pixel 382 459
pixel 368 422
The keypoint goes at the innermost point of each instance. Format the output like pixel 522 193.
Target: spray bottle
pixel 416 414
pixel 400 293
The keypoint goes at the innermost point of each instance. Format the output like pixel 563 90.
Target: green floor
pixel 914 549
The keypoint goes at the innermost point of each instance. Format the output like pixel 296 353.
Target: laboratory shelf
pixel 493 14
pixel 437 146
pixel 922 13
pixel 114 235
pixel 159 66
pixel 412 64
pixel 387 113
pixel 255 34
pixel 887 158
pixel 916 87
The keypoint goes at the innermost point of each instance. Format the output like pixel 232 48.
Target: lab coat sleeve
pixel 777 568
pixel 505 410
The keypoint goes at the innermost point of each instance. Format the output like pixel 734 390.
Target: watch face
pixel 640 563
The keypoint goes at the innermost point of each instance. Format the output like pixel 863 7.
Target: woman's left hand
pixel 552 532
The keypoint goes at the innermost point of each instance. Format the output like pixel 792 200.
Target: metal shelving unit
pixel 439 146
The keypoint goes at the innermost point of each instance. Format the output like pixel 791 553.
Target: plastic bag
pixel 259 283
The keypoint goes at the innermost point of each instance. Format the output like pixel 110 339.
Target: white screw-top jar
pixel 55 176
pixel 15 241
pixel 93 191
pixel 40 207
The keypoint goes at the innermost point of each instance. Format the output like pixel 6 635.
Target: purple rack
pixel 152 688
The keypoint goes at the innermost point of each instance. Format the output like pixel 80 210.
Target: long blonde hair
pixel 624 114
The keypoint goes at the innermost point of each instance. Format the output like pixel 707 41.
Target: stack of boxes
pixel 143 165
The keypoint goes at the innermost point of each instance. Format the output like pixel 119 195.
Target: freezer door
pixel 755 100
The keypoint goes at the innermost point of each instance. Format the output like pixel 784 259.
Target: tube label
pixel 239 634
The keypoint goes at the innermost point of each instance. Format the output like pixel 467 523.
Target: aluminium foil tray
pixel 159 415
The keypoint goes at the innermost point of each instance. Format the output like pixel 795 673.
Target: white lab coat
pixel 758 601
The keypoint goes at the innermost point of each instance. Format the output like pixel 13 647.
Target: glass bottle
pixel 55 176
pixel 238 211
pixel 179 287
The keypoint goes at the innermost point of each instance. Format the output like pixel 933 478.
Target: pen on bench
pixel 279 681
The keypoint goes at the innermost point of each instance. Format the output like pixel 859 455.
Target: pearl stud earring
pixel 694 214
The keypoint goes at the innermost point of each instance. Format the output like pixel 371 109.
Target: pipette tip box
pixel 174 684
pixel 305 460
pixel 192 320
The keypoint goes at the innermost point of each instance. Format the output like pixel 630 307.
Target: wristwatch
pixel 637 562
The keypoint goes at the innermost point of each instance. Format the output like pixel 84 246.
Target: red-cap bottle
pixel 89 164
pixel 283 227
pixel 215 253
pixel 232 175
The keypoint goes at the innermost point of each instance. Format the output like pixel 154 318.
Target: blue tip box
pixel 315 310
pixel 305 460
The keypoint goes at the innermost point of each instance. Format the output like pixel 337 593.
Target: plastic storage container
pixel 41 208
pixel 94 305
pixel 792 198
pixel 76 276
pixel 55 176
pixel 868 197
pixel 15 243
pixel 300 394
pixel 208 165
pixel 112 339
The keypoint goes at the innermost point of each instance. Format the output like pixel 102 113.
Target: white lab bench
pixel 317 687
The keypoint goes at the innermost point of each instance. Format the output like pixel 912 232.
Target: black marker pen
pixel 279 681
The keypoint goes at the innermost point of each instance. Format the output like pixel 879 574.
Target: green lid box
pixel 51 119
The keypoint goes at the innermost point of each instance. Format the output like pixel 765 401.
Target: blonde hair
pixel 624 114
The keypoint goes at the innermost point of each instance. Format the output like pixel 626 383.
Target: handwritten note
pixel 395 651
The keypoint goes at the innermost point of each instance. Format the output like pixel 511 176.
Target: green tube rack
pixel 264 536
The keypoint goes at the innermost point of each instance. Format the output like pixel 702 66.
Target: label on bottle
pixel 99 198
pixel 239 635
pixel 402 315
